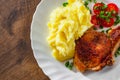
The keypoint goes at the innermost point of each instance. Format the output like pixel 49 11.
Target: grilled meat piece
pixel 93 51
pixel 115 37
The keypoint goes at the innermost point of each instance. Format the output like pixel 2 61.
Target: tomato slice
pixel 97 8
pixel 106 23
pixel 113 8
pixel 94 20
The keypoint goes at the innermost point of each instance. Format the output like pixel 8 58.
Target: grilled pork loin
pixel 94 50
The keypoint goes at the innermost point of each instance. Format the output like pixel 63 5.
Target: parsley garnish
pixel 117 52
pixel 94 1
pixel 107 16
pixel 108 30
pixel 117 20
pixel 90 0
pixel 69 65
pixel 104 7
pixel 65 4
pixel 95 28
pixel 87 2
pixel 101 27
pixel 102 31
pixel 86 5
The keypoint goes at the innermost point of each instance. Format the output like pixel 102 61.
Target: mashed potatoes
pixel 66 25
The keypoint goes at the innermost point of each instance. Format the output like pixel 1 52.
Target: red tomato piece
pixel 113 8
pixel 94 20
pixel 108 23
pixel 97 8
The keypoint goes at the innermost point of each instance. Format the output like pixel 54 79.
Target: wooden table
pixel 16 56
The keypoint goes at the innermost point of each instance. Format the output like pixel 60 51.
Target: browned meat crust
pixel 93 51
pixel 115 37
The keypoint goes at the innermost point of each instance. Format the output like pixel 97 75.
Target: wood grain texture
pixel 16 56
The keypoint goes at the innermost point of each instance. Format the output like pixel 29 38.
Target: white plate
pixel 42 53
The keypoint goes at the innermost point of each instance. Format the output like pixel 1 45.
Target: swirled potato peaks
pixel 67 24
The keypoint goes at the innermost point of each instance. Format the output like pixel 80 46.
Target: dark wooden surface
pixel 16 56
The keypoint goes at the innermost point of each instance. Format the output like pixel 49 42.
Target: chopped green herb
pixel 101 27
pixel 69 65
pixel 90 0
pixel 106 12
pixel 117 20
pixel 95 7
pixel 102 12
pixel 117 52
pixel 102 16
pixel 89 10
pixel 102 31
pixel 86 3
pixel 116 55
pixel 109 14
pixel 108 30
pixel 104 7
pixel 103 3
pixel 65 4
pixel 94 1
pixel 113 11
pixel 107 19
pixel 95 28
